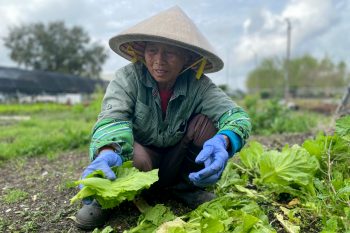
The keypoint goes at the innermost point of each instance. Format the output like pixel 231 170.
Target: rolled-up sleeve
pixel 237 121
pixel 114 124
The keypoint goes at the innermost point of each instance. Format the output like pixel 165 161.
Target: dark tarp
pixel 14 80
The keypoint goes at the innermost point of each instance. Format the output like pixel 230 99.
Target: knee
pixel 200 129
pixel 142 163
pixel 142 158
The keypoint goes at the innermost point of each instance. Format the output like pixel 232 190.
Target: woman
pixel 162 112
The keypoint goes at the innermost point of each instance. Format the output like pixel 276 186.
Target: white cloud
pixel 308 19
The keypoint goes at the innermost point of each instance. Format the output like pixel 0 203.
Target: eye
pixel 171 53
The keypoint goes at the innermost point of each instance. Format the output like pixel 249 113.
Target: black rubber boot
pixel 191 195
pixel 91 216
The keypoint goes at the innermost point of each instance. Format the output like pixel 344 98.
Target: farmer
pixel 162 112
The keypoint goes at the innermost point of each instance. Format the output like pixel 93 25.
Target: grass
pixel 51 129
pixel 54 128
pixel 14 196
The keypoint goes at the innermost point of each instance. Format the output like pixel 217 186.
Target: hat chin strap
pixel 200 70
pixel 130 50
pixel 134 58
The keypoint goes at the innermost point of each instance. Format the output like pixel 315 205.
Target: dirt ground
pixel 47 207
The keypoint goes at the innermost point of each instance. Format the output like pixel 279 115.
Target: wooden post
pixel 344 101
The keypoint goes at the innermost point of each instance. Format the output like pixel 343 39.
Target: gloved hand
pixel 104 161
pixel 214 156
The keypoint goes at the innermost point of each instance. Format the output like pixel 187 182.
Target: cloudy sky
pixel 242 31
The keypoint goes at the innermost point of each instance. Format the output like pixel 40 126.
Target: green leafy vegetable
pixel 229 213
pixel 174 226
pixel 150 220
pixel 107 229
pixel 290 166
pixel 342 127
pixel 109 194
pixel 250 158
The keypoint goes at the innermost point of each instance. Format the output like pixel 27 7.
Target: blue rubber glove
pixel 214 156
pixel 104 161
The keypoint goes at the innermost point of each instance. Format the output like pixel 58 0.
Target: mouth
pixel 160 71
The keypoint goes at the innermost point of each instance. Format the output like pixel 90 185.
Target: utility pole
pixel 255 57
pixel 286 87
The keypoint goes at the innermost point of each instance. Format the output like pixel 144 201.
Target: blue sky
pixel 242 31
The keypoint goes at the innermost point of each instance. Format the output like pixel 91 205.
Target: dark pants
pixel 176 162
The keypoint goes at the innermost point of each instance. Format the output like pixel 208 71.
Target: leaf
pixel 107 229
pixel 176 225
pixel 109 194
pixel 345 190
pixel 246 223
pixel 342 127
pixel 158 214
pixel 291 166
pixel 249 192
pixel 288 226
pixel 234 213
pixel 152 219
pixel 141 204
pixel 331 225
pixel 316 147
pixel 251 154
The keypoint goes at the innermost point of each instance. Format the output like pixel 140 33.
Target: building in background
pixel 26 86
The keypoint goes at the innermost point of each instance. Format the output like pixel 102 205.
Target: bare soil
pixel 47 206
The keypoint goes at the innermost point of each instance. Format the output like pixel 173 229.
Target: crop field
pixel 292 176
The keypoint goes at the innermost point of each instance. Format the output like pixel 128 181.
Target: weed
pixel 15 195
pixel 29 226
pixel 3 224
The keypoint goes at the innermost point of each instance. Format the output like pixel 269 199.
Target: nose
pixel 160 57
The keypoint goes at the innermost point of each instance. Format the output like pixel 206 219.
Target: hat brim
pixel 119 44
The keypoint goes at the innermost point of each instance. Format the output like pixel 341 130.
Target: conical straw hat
pixel 173 27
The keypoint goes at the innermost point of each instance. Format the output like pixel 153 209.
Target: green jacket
pixel 131 110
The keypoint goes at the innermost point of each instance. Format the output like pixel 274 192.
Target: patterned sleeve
pixel 236 120
pixel 117 134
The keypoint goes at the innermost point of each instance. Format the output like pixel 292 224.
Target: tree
pixel 307 76
pixel 54 47
pixel 266 79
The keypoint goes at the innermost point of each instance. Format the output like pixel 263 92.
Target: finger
pixel 210 170
pixel 208 162
pixel 109 173
pixel 207 181
pixel 216 165
pixel 86 172
pixel 204 154
pixel 193 177
pixel 202 174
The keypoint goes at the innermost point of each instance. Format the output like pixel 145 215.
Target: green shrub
pixel 271 117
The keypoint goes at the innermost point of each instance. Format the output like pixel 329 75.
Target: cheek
pixel 148 62
pixel 147 58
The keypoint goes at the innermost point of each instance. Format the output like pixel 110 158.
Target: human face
pixel 164 62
